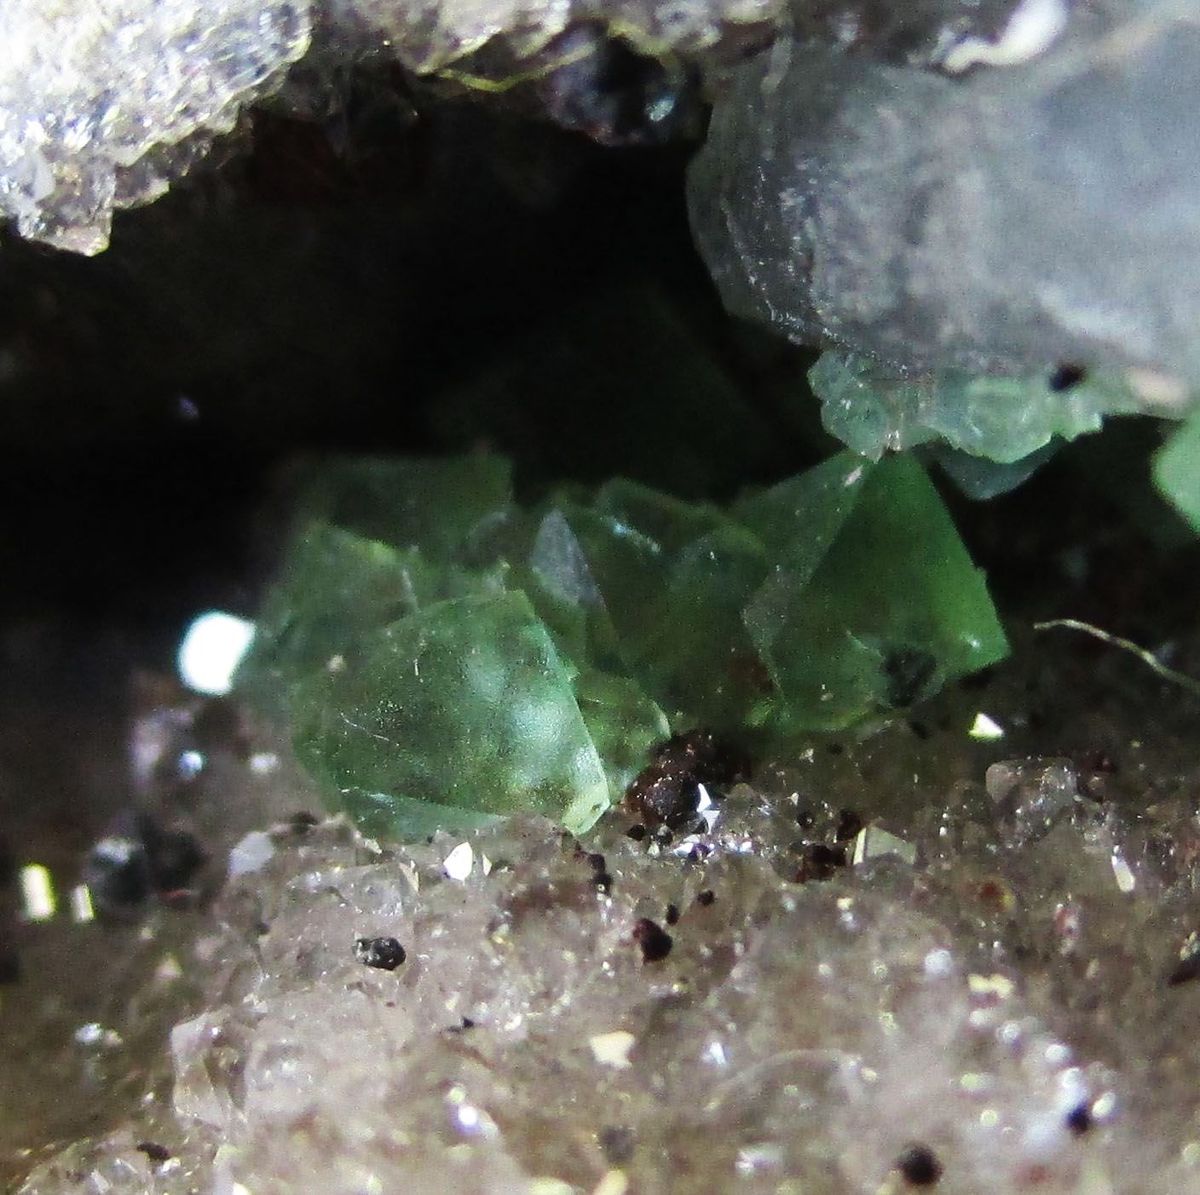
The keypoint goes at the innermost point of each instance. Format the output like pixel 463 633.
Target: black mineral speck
pixel 672 916
pixel 706 898
pixel 1185 971
pixel 1079 1120
pixel 617 1141
pixel 908 672
pixel 667 791
pixel 636 832
pixel 849 825
pixel 1066 376
pixel 155 1152
pixel 385 953
pixel 655 942
pixel 820 862
pixel 919 1166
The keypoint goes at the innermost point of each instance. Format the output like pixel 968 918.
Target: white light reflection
pixel 211 650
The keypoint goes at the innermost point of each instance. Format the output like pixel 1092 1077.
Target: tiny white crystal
pixel 612 1049
pixel 251 854
pixel 458 863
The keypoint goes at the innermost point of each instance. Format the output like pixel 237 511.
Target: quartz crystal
pixel 474 657
pixel 512 1010
pixel 101 105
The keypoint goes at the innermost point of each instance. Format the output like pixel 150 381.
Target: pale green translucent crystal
pixel 464 704
pixel 333 588
pixel 508 659
pixel 436 504
pixel 625 724
pixel 1177 471
pixel 872 409
pixel 886 614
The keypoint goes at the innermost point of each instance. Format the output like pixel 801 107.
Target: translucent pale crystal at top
pixel 91 94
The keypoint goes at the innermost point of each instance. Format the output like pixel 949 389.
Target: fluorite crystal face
pixel 445 655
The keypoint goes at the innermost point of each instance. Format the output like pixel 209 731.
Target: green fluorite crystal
pixel 873 410
pixel 439 670
pixel 882 612
pixel 1177 471
pixel 465 704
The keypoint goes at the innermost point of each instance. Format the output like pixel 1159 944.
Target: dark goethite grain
pixel 667 791
pixel 919 1166
pixel 384 953
pixel 654 941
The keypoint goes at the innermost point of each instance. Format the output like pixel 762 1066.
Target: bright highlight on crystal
pixel 211 650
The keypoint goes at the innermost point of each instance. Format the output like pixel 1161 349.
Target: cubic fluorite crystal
pixel 1006 220
pixel 454 655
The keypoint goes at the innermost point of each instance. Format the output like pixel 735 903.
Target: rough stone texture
pixel 1010 219
pixel 784 997
pixel 102 105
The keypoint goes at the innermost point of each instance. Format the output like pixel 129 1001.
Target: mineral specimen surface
pixel 1010 219
pixel 978 976
pixel 102 105
pixel 447 653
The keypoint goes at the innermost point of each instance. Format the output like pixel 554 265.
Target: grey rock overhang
pixel 994 220
pixel 102 107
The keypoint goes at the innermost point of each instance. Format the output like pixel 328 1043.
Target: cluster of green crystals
pixel 445 654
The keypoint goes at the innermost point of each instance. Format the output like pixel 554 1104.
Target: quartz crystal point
pixel 473 658
pixel 1005 220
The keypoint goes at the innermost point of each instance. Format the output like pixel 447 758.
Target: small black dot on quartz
pixel 155 1152
pixel 1066 376
pixel 848 825
pixel 919 1166
pixel 672 914
pixel 617 1143
pixel 1079 1120
pixel 706 897
pixel 385 953
pixel 1185 971
pixel 655 942
pixel 303 821
pixel 637 832
pixel 596 862
pixel 603 881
